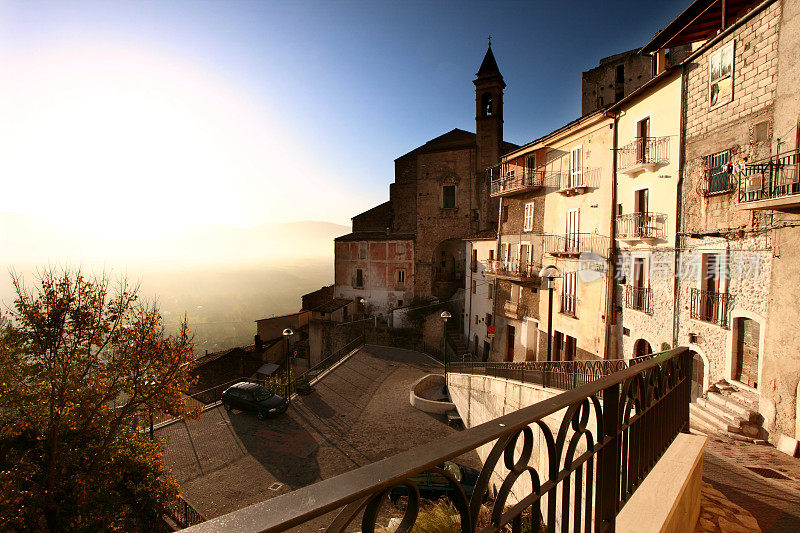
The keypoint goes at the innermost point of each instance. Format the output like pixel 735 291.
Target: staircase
pixel 455 339
pixel 727 411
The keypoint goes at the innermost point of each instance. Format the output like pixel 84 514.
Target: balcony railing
pixel 569 304
pixel 774 179
pixel 645 153
pixel 528 179
pixel 512 269
pixel 642 226
pixel 572 244
pixel 644 407
pixel 638 298
pixel 570 183
pixel 710 306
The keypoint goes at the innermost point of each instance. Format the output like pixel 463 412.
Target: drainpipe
pixel 611 279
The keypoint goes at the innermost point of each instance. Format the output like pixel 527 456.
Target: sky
pixel 138 119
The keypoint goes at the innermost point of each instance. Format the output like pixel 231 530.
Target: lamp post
pixel 286 334
pixel 550 272
pixel 445 316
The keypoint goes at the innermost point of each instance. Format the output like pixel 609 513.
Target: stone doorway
pixel 641 347
pixel 745 361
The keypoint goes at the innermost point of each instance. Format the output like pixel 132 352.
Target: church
pixel 413 245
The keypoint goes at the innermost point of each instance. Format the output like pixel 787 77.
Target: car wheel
pixel 262 415
pixel 227 406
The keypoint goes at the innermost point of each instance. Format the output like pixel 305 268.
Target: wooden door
pixel 697 376
pixel 746 364
pixel 642 133
pixel 510 333
pixel 576 167
pixel 573 230
pixel 638 283
pixel 641 207
pixel 524 254
pixel 558 345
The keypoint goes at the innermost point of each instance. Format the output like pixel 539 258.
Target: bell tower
pixel 489 87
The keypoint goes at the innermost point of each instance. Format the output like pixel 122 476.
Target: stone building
pixel 555 208
pixel 739 197
pixel 613 79
pixel 413 245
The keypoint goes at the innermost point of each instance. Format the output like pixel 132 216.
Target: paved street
pixel 359 413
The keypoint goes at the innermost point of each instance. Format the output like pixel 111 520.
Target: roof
pixel 455 139
pixel 332 305
pixel 485 235
pixel 562 129
pixel 268 369
pixel 489 65
pixel 698 22
pixel 375 236
pixel 646 86
pixel 280 316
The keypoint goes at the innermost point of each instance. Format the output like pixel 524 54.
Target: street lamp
pixel 286 334
pixel 445 316
pixel 550 272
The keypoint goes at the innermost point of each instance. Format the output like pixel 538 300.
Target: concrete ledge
pixel 425 385
pixel 668 500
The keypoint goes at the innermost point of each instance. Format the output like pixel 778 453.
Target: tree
pixel 79 362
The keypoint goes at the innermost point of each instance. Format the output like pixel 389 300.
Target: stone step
pixel 746 398
pixel 718 410
pixel 738 409
pixel 708 418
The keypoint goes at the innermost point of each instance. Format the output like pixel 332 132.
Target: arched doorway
pixel 447 268
pixel 745 351
pixel 641 347
pixel 698 373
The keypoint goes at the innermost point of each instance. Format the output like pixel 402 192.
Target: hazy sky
pixel 143 117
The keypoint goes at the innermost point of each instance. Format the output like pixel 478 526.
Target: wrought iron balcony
pixel 643 409
pixel 571 183
pixel 645 227
pixel 512 270
pixel 771 184
pixel 710 306
pixel 516 182
pixel 645 153
pixel 638 298
pixel 573 244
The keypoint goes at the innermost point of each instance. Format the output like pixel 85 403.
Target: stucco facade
pixel 479 295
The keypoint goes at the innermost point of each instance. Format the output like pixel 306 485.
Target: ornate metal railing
pixel 710 306
pixel 517 182
pixel 644 151
pixel 641 226
pixel 587 177
pixel 638 298
pixel 593 458
pixel 512 269
pixel 576 243
pixel 776 177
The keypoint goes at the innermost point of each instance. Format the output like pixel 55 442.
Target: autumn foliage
pixel 82 364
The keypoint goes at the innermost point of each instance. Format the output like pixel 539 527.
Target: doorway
pixel 641 348
pixel 510 333
pixel 698 371
pixel 745 367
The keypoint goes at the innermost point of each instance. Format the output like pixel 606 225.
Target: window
pixel 530 164
pixel 401 248
pixel 474 263
pixel 761 132
pixel 717 173
pixel 344 313
pixel 619 90
pixel 576 167
pixel 569 293
pixel 528 226
pixel 505 213
pixel 620 77
pixel 362 250
pixel 401 277
pixel 474 287
pixel 491 291
pixel 720 85
pixel 359 277
pixel 476 319
pixel 488 319
pixel 491 255
pixel 399 303
pixel 449 196
pixel 487 105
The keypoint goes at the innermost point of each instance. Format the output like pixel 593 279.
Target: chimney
pixel 257 341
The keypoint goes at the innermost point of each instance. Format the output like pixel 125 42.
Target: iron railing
pixel 603 448
pixel 640 225
pixel 512 269
pixel 638 298
pixel 776 177
pixel 184 515
pixel 588 177
pixel 710 306
pixel 517 182
pixel 642 152
pixel 576 243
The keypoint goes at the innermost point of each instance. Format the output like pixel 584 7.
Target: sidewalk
pixel 773 502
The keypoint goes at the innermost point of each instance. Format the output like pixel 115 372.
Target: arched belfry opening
pixel 487 105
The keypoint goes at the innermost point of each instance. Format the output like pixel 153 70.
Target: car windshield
pixel 261 394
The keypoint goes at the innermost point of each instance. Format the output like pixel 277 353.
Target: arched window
pixel 487 105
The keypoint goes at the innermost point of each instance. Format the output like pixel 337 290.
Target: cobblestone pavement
pixel 359 413
pixel 774 503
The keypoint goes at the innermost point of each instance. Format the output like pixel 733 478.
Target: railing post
pixel 608 483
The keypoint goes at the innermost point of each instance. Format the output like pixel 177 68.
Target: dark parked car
pixel 253 397
pixel 433 485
